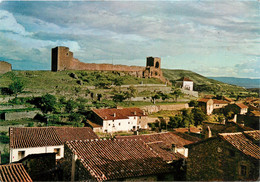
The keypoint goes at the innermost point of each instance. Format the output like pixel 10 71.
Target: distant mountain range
pixel 243 82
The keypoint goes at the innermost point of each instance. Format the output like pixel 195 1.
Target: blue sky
pixel 212 38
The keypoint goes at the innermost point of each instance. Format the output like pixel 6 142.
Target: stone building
pixel 114 120
pixel 185 83
pixel 5 67
pixel 62 59
pixel 227 157
pixel 113 160
pixel 38 140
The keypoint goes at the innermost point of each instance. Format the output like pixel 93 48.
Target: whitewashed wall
pixel 35 150
pixel 188 85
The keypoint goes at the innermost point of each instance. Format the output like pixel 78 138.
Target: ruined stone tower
pixel 61 58
pixel 153 67
pixel 5 67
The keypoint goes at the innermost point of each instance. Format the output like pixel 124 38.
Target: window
pixel 119 124
pixel 128 122
pixel 108 124
pixel 57 151
pixel 21 154
pixel 134 117
pixel 140 117
pixel 243 170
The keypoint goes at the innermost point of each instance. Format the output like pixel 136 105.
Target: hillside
pixel 201 83
pixel 243 82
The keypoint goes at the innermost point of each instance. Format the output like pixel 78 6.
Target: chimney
pixel 174 148
pixel 73 166
pixel 223 121
pixel 114 114
pixel 208 134
pixel 143 112
pixel 242 123
pixel 235 118
pixel 105 117
pixel 134 112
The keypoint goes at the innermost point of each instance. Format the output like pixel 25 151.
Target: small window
pixel 128 122
pixel 140 117
pixel 134 117
pixel 21 154
pixel 57 151
pixel 67 53
pixel 243 170
pixel 119 124
pixel 108 124
pixel 113 120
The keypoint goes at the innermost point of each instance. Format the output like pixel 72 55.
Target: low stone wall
pixel 157 108
pixel 5 107
pixel 189 92
pixel 20 115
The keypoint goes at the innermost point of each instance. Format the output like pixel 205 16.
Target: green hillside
pixel 201 83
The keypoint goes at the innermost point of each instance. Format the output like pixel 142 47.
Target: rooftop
pixel 216 101
pixel 117 159
pixel 14 172
pixel 242 143
pixel 241 105
pixel 26 137
pixel 124 113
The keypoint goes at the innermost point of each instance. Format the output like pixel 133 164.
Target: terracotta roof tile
pixel 215 101
pixel 243 144
pixel 117 159
pixel 168 138
pixel 254 135
pixel 203 100
pixel 112 114
pixel 184 130
pixel 241 105
pixel 13 172
pixel 26 137
pixel 184 79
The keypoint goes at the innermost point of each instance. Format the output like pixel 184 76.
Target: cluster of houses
pixel 230 151
pixel 78 154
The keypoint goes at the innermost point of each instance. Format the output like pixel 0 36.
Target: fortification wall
pixel 77 65
pixel 157 108
pixel 5 67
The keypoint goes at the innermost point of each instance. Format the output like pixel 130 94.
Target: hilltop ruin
pixel 62 59
pixel 5 67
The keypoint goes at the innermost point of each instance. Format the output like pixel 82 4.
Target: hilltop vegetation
pixel 201 83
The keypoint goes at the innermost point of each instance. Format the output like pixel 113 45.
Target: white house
pixel 124 119
pixel 36 140
pixel 185 83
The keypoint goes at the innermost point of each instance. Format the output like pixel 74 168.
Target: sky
pixel 212 38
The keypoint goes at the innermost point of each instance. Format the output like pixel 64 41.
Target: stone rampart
pixel 5 67
pixel 157 108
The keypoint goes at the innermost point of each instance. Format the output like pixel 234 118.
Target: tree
pixel 48 103
pixel 118 81
pixel 175 122
pixel 71 105
pixel 119 97
pixel 16 86
pixel 176 94
pixel 198 116
pixel 155 96
pixel 193 103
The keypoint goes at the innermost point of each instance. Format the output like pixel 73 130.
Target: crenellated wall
pixel 5 67
pixel 62 59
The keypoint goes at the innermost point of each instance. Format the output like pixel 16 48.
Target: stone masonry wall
pixel 156 108
pixel 5 67
pixel 20 115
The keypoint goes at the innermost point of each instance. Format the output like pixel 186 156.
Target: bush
pixel 48 103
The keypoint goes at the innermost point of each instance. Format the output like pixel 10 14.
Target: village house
pixel 169 145
pixel 206 105
pixel 116 159
pixel 237 108
pixel 14 172
pixel 185 83
pixel 226 157
pixel 36 140
pixel 123 119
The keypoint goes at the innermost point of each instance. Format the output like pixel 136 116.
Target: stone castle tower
pixel 62 59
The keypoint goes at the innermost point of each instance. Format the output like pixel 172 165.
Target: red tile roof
pixel 243 144
pixel 184 79
pixel 241 105
pixel 112 114
pixel 215 101
pixel 118 159
pixel 26 137
pixel 227 99
pixel 254 135
pixel 184 130
pixel 13 172
pixel 168 138
pixel 203 100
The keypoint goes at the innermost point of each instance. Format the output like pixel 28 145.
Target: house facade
pixel 125 119
pixel 185 83
pixel 37 140
pixel 226 157
pixel 206 105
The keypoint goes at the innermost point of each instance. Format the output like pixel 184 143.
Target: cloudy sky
pixel 212 38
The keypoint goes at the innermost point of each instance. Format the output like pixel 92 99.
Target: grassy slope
pixel 198 79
